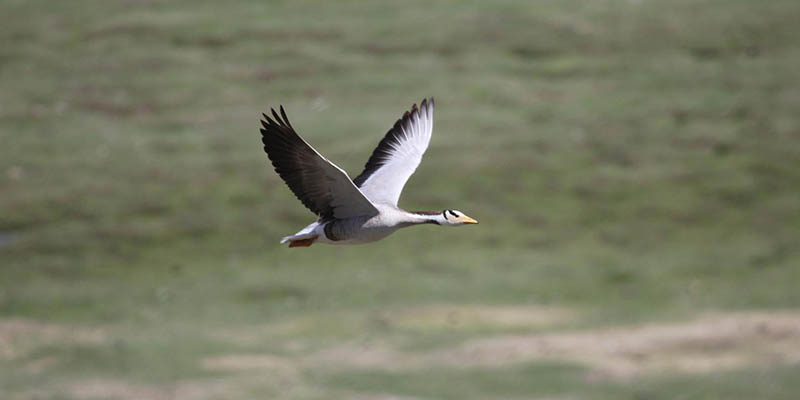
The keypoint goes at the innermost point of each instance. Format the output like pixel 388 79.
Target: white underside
pixel 364 230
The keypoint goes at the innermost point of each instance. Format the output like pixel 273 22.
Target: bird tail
pixel 304 234
pixel 301 240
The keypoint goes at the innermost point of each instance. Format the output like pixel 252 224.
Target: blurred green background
pixel 635 166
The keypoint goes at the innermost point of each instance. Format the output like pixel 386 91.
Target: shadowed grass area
pixel 630 162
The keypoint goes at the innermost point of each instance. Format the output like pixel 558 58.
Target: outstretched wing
pixel 397 155
pixel 321 186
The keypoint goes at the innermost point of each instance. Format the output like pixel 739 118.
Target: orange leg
pixel 302 242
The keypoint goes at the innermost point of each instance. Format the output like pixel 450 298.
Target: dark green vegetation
pixel 629 161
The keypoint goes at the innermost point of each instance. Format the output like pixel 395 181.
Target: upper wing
pixel 324 188
pixel 397 155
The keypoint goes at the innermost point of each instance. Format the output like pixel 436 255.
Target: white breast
pixel 363 229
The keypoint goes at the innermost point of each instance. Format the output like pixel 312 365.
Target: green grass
pixel 630 161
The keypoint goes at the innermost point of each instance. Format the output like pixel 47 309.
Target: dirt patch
pixel 19 336
pixel 102 389
pixel 474 316
pixel 39 365
pixel 114 389
pixel 707 344
pixel 710 343
pixel 448 318
pixel 239 362
pixel 363 355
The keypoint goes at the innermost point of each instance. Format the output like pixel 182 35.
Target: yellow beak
pixel 468 220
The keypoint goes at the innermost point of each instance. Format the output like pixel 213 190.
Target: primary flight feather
pixel 364 209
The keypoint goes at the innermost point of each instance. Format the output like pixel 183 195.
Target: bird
pixel 364 209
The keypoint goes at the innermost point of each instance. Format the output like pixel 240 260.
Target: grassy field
pixel 635 166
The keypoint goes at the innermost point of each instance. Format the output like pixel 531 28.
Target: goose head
pixel 454 218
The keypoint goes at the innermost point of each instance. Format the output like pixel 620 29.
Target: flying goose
pixel 364 209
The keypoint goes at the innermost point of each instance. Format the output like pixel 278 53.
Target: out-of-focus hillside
pixel 635 166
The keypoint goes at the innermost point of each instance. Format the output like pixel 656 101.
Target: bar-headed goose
pixel 360 210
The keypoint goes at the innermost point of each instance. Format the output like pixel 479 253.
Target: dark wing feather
pixel 321 186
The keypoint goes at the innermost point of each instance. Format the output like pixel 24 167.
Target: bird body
pixel 364 209
pixel 357 230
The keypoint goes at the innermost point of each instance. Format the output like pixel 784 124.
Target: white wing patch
pixel 398 155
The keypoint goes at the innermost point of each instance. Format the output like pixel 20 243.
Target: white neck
pixel 422 217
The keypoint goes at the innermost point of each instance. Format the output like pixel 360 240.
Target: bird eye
pixel 453 213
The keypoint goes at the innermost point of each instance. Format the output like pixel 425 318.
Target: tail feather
pixel 302 240
pixel 304 234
